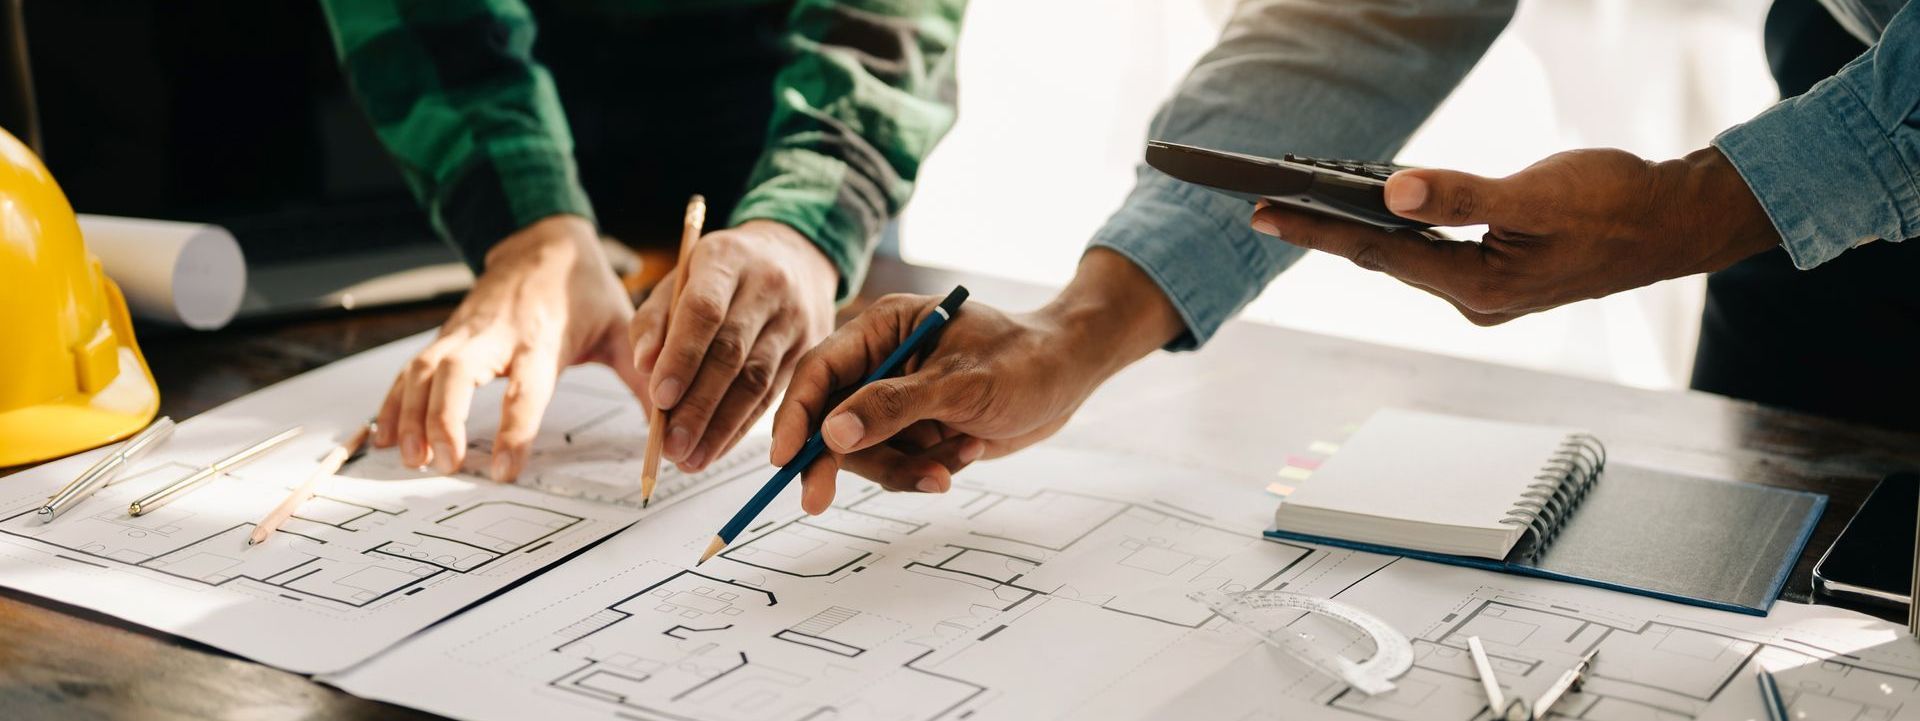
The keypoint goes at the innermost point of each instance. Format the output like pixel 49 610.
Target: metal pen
pixel 199 478
pixel 1568 681
pixel 106 469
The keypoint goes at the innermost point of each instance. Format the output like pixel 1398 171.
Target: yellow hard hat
pixel 71 377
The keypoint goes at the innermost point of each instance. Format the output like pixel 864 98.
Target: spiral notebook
pixel 1543 501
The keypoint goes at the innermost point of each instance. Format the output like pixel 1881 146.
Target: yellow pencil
pixel 690 230
pixel 329 465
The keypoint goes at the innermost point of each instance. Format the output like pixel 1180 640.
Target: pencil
pixel 329 465
pixel 199 478
pixel 922 335
pixel 690 230
pixel 1770 697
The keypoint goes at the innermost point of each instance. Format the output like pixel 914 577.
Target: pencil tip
pixel 644 502
pixel 713 547
pixel 253 541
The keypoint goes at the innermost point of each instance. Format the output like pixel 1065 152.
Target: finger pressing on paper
pixel 530 381
pixel 447 403
pixel 389 417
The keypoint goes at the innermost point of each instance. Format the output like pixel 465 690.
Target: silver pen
pixel 200 477
pixel 1568 681
pixel 106 469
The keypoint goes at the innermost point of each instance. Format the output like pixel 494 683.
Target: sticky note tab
pixel 1295 473
pixel 1280 489
pixel 1308 462
pixel 1324 448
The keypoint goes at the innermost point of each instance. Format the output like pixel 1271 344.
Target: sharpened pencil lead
pixel 644 502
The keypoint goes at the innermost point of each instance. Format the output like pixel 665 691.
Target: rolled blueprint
pixel 181 273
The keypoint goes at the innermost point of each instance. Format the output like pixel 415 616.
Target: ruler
pixel 1267 614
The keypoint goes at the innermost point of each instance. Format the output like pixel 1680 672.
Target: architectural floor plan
pixel 381 551
pixel 1052 585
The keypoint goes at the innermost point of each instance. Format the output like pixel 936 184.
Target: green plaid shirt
pixel 475 123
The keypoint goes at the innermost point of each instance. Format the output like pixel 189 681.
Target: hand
pixel 757 297
pixel 994 383
pixel 1580 224
pixel 548 299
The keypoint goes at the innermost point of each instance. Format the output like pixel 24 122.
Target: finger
pixel 926 471
pixel 837 362
pixel 691 326
pixel 1423 258
pixel 384 424
pixel 415 383
pixel 643 333
pixel 448 399
pixel 883 408
pixel 530 380
pixel 720 369
pixel 817 484
pixel 1448 197
pixel 746 397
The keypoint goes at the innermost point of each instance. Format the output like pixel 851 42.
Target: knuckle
pixel 727 348
pixel 422 365
pixel 756 378
pixel 1370 256
pixel 887 401
pixel 1463 203
pixel 703 311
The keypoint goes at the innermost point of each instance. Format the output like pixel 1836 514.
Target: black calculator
pixel 1347 189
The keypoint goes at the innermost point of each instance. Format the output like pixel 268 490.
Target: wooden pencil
pixel 329 465
pixel 690 230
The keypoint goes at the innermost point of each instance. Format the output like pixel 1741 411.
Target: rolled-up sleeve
pixel 1835 167
pixel 1332 78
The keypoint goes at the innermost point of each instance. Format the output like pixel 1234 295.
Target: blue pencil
pixel 1770 697
pixel 921 335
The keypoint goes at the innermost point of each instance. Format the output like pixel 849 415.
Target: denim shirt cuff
pixel 1828 177
pixel 1196 245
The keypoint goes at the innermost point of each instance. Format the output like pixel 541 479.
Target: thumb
pixel 1447 197
pixel 878 411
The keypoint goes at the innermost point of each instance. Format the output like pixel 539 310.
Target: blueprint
pixel 1051 585
pixel 381 551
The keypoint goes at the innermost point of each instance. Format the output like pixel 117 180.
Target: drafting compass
pixel 1502 708
pixel 1267 615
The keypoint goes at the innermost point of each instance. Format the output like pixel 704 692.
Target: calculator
pixel 1347 189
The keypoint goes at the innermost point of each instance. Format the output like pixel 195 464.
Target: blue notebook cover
pixel 1698 541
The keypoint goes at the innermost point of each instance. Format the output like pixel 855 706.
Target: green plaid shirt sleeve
pixel 868 94
pixel 473 120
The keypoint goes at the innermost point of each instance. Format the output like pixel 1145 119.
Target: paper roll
pixel 181 273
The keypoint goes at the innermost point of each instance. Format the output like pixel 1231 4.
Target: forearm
pixel 1112 313
pixel 1333 78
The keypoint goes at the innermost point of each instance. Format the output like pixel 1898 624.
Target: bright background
pixel 1076 81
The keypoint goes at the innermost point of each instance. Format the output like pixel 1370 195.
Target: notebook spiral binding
pixel 1562 484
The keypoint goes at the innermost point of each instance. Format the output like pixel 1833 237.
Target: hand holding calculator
pixel 1347 189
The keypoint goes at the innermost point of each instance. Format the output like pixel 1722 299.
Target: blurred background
pixel 234 113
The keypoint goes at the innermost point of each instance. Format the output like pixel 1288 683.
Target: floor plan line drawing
pixel 378 553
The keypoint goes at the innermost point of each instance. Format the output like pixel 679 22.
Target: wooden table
pixel 1254 395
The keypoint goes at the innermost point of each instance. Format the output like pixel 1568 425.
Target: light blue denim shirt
pixel 1355 78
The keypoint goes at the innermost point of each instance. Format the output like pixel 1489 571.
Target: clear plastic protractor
pixel 1267 615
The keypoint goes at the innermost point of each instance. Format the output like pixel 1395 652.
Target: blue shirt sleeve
pixel 1330 78
pixel 1834 167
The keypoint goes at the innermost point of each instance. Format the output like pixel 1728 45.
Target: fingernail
pixel 697 462
pixel 443 462
pixel 971 450
pixel 667 394
pixel 500 467
pixel 677 441
pixel 1265 227
pixel 1406 193
pixel 844 430
pixel 927 485
pixel 412 450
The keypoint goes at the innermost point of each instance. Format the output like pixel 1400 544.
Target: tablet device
pixel 1873 558
pixel 1346 189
